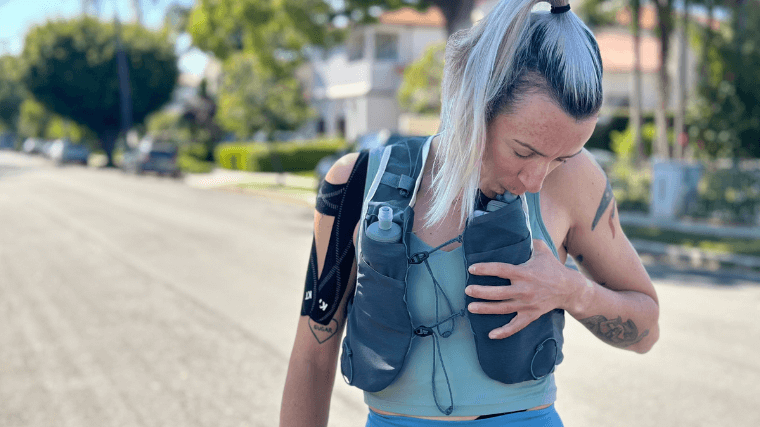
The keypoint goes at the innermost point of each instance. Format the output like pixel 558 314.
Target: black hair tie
pixel 560 9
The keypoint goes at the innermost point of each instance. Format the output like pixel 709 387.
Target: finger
pixel 496 269
pixel 494 293
pixel 514 326
pixel 499 307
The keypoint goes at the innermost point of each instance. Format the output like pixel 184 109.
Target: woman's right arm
pixel 313 361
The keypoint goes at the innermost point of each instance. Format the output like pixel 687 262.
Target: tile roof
pixel 617 51
pixel 647 17
pixel 433 17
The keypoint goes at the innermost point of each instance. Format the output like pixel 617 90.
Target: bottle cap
pixel 385 217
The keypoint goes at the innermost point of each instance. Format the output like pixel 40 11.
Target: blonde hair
pixel 488 68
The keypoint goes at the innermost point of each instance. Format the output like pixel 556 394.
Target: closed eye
pixel 523 157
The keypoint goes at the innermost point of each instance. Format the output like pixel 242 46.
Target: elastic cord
pixel 560 9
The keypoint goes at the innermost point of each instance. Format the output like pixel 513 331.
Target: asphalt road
pixel 140 301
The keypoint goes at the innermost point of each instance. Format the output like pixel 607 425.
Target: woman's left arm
pixel 615 299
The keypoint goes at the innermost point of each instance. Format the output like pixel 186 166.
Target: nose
pixel 532 176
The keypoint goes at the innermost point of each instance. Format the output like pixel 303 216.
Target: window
pixel 386 47
pixel 356 47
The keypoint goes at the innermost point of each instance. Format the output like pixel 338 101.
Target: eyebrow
pixel 544 155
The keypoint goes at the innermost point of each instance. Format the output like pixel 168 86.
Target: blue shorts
pixel 547 417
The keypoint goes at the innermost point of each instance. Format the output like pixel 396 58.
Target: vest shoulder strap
pixel 375 155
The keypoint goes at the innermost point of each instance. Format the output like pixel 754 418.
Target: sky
pixel 18 16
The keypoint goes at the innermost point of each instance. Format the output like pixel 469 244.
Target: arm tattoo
pixel 615 332
pixel 606 199
pixel 612 218
pixel 323 332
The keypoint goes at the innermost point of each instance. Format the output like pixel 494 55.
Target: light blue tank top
pixel 473 392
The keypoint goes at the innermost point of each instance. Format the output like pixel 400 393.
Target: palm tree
pixel 682 83
pixel 665 26
pixel 635 105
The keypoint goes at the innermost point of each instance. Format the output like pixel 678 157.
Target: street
pixel 141 301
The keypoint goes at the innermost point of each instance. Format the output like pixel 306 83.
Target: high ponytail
pixel 491 66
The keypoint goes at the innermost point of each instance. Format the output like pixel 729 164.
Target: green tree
pixel 725 119
pixel 33 119
pixel 199 118
pixel 281 29
pixel 12 93
pixel 254 98
pixel 420 90
pixel 38 122
pixel 599 13
pixel 72 71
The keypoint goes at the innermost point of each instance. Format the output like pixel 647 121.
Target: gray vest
pixel 379 327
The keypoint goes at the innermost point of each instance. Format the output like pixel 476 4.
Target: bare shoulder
pixel 578 185
pixel 341 170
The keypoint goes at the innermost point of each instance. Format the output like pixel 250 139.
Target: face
pixel 523 147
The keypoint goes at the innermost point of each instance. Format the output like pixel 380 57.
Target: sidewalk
pixel 266 184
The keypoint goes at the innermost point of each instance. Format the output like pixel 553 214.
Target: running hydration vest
pixel 379 327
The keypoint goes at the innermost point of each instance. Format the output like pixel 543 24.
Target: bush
pixel 191 164
pixel 296 156
pixel 631 186
pixel 729 195
pixel 603 133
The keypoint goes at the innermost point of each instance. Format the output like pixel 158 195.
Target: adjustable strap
pixel 404 183
pixel 426 331
pixel 435 329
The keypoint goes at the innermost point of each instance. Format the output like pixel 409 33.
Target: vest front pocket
pixel 503 236
pixel 379 330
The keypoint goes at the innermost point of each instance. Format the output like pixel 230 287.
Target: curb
pixel 694 257
pixel 224 178
pixel 735 232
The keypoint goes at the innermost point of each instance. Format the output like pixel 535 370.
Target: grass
pixel 289 189
pixel 307 174
pixel 707 243
pixel 192 165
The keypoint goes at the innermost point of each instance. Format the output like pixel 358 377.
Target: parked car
pixel 151 155
pixel 7 141
pixel 45 150
pixel 368 141
pixel 64 151
pixel 32 146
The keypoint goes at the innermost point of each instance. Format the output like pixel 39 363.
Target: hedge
pixel 618 122
pixel 296 156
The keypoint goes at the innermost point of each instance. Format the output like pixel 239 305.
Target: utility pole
pixel 124 86
pixel 137 10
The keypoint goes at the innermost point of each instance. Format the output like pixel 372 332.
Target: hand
pixel 538 286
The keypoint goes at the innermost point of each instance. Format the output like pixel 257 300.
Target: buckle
pixel 418 258
pixel 423 331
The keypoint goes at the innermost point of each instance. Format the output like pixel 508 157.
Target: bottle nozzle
pixel 385 217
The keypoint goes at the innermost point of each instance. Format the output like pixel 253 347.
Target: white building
pixel 353 87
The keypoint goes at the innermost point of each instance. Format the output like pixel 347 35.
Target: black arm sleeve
pixel 322 295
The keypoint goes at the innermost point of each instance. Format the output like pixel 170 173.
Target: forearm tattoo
pixel 323 332
pixel 615 332
pixel 607 198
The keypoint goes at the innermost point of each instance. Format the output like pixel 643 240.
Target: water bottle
pixel 384 229
pixel 497 203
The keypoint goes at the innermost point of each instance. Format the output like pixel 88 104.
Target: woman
pixel 521 94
